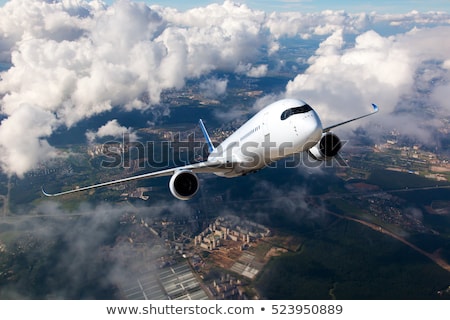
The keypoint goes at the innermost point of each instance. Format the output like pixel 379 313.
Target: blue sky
pixel 380 6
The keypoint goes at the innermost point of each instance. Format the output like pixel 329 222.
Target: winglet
pixel 375 107
pixel 45 193
pixel 207 138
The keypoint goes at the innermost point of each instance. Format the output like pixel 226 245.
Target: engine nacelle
pixel 184 184
pixel 328 147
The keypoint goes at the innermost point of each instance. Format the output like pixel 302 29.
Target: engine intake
pixel 184 184
pixel 328 147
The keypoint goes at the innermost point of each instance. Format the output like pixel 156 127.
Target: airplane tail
pixel 207 138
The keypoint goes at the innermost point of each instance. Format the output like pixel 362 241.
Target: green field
pixel 393 180
pixel 351 261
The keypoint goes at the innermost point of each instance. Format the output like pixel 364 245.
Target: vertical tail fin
pixel 207 138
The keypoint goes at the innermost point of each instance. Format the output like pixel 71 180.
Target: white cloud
pixel 414 18
pixel 342 81
pixel 111 129
pixel 213 87
pixel 252 71
pixel 73 60
pixel 305 25
pixel 258 72
pixel 22 143
pixel 231 35
pixel 347 79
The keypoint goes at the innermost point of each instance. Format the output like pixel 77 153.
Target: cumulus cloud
pixel 111 129
pixel 343 78
pixel 22 138
pixel 413 18
pixel 253 71
pixel 305 25
pixel 73 60
pixel 213 87
pixel 391 71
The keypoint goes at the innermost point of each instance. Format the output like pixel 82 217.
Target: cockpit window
pixel 289 112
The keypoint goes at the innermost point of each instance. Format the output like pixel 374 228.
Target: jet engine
pixel 183 184
pixel 328 147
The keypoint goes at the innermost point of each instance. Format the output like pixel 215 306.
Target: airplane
pixel 279 130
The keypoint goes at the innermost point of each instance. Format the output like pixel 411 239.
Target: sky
pixel 73 60
pixel 380 6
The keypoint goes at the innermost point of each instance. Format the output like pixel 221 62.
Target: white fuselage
pixel 281 129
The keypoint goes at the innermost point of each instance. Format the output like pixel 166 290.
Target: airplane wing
pixel 201 167
pixel 375 110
